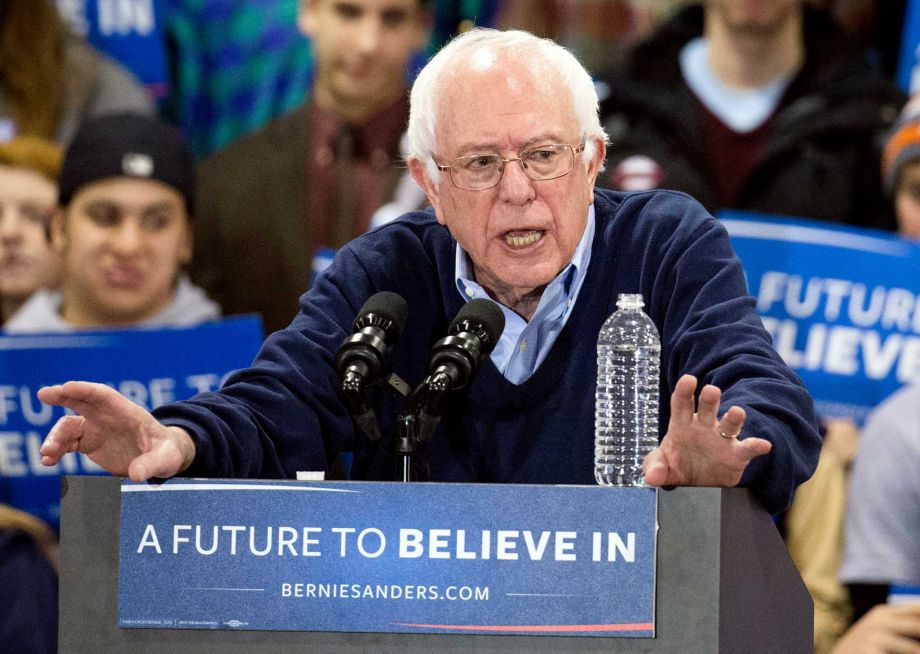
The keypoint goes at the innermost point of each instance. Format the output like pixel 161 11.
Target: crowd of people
pixel 521 185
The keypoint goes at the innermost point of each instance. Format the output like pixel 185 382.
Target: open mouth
pixel 523 238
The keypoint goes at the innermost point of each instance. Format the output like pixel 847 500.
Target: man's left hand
pixel 700 449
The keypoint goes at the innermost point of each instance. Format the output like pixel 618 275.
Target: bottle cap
pixel 630 301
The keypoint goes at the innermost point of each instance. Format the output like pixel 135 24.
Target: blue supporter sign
pixel 129 31
pixel 150 366
pixel 908 73
pixel 388 557
pixel 841 303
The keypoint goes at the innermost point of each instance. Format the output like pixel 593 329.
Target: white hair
pixel 485 45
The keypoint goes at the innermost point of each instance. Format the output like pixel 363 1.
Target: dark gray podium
pixel 725 583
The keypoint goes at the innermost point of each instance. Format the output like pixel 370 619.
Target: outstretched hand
pixel 115 433
pixel 886 628
pixel 700 449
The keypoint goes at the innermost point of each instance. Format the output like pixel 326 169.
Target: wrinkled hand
pixel 694 452
pixel 113 432
pixel 886 629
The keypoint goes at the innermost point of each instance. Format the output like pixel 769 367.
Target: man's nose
pixel 10 224
pixel 127 238
pixel 515 186
pixel 369 36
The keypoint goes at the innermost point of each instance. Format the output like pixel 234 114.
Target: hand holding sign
pixel 115 433
pixel 699 448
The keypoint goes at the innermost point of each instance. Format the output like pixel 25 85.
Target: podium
pixel 725 583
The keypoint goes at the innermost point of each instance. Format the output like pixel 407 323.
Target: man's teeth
pixel 526 239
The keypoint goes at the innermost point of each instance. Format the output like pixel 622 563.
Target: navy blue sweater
pixel 283 414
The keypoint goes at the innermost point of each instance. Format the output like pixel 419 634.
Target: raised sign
pixel 149 366
pixel 841 303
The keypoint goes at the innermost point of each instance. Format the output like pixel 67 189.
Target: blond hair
pixel 33 153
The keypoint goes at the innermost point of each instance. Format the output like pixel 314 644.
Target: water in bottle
pixel 626 402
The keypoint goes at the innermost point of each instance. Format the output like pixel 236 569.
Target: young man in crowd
pixel 882 544
pixel 763 106
pixel 311 180
pixel 122 231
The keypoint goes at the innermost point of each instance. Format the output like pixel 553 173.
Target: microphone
pixel 361 358
pixel 474 333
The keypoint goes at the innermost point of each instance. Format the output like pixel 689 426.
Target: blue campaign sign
pixel 908 73
pixel 149 366
pixel 842 305
pixel 388 557
pixel 129 31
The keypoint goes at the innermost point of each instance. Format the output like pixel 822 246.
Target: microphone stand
pixel 453 362
pixel 405 440
pixel 416 425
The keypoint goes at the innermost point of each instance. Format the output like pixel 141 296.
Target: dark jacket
pixel 823 151
pixel 252 251
pixel 28 585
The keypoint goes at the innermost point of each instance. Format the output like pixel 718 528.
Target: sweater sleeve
pixel 282 414
pixel 710 329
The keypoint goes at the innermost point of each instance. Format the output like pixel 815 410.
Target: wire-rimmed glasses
pixel 540 163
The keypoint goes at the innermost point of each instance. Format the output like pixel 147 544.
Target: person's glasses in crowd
pixel 540 163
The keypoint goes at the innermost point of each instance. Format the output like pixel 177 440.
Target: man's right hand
pixel 114 433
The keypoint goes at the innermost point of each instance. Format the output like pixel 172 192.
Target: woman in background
pixel 51 80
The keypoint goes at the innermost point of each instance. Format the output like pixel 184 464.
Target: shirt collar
pixel 376 139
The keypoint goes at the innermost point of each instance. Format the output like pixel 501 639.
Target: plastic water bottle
pixel 626 402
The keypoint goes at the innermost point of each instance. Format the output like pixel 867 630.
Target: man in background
pixel 311 180
pixel 762 106
pixel 882 546
pixel 122 231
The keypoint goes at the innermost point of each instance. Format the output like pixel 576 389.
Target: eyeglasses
pixel 481 171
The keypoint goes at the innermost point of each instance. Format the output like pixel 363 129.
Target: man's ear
pixel 306 17
pixel 57 235
pixel 187 247
pixel 594 166
pixel 420 173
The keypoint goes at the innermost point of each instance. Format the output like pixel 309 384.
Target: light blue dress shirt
pixel 524 345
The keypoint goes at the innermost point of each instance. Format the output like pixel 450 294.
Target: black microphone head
pixel 385 307
pixel 482 317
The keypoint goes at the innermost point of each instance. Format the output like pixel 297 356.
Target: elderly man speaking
pixel 505 140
